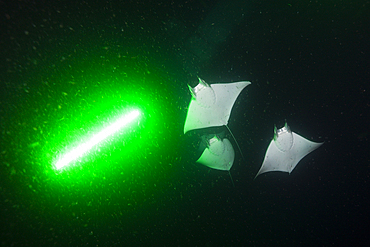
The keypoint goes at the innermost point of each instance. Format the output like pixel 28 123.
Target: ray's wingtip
pixel 258 173
pixel 186 129
pixel 247 82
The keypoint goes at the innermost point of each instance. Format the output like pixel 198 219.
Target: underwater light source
pixel 103 134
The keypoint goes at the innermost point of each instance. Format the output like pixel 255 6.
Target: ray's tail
pixel 237 144
pixel 232 180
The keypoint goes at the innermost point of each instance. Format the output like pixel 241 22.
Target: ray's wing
pixel 301 147
pixel 275 160
pixel 211 105
pixel 219 154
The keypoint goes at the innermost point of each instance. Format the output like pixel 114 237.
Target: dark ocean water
pixel 68 68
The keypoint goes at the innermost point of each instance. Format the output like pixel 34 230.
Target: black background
pixel 309 65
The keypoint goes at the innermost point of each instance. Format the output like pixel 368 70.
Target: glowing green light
pixel 85 147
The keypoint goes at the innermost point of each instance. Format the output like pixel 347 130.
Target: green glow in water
pixel 83 148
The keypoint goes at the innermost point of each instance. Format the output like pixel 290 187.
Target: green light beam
pixel 110 130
